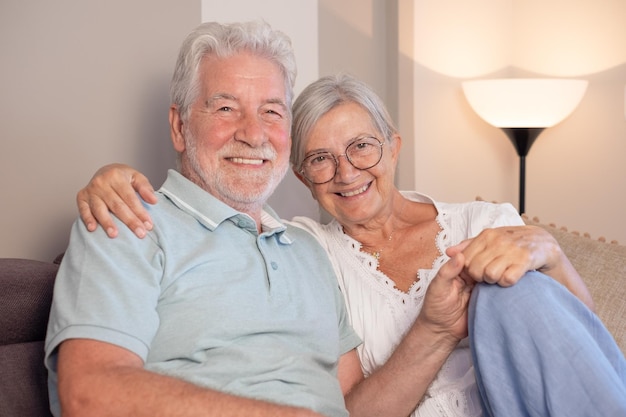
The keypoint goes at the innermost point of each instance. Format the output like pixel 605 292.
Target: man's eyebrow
pixel 227 96
pixel 221 96
pixel 278 101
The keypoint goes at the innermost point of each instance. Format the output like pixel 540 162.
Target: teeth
pixel 247 161
pixel 356 192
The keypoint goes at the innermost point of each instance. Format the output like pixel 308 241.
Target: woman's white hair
pixel 325 94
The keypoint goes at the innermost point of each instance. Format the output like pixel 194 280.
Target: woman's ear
pixel 395 144
pixel 177 129
pixel 304 181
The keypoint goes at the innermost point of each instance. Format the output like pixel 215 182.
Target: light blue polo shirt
pixel 207 299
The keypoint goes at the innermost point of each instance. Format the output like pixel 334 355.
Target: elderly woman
pixel 386 247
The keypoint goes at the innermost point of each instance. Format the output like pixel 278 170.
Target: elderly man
pixel 223 310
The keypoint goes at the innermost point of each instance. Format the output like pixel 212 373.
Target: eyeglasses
pixel 363 153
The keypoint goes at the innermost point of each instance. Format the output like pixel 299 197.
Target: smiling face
pixel 235 142
pixel 353 196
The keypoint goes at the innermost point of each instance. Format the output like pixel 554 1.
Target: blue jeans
pixel 539 351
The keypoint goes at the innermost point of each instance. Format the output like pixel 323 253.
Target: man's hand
pixel 113 189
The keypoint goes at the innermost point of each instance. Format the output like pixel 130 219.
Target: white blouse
pixel 381 314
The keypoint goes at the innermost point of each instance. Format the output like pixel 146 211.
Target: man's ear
pixel 177 129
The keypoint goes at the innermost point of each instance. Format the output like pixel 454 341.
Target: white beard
pixel 245 192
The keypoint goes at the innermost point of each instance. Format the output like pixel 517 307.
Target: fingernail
pixel 148 225
pixel 140 232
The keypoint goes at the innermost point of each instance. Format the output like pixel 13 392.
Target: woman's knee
pixel 533 290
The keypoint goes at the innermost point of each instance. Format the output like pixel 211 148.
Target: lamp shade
pixel 524 102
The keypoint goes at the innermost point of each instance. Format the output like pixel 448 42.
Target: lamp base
pixel 522 139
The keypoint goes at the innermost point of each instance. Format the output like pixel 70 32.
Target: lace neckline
pixel 370 263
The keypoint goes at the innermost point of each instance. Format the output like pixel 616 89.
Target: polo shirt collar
pixel 210 211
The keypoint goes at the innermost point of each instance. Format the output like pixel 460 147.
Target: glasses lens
pixel 319 167
pixel 364 153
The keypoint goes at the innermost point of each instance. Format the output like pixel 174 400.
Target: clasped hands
pixel 499 256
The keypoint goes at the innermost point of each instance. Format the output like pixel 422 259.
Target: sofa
pixel 602 265
pixel 26 294
pixel 25 298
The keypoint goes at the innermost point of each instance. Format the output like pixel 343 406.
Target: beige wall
pixel 83 83
pixel 575 171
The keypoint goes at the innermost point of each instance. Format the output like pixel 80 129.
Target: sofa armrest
pixel 602 266
pixel 26 288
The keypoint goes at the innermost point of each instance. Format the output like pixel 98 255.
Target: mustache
pixel 238 150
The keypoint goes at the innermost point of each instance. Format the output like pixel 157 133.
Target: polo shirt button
pixel 274 265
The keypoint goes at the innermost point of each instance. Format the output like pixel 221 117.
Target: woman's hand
pixel 445 305
pixel 113 189
pixel 503 255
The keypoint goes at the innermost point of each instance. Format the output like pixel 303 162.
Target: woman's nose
pixel 346 172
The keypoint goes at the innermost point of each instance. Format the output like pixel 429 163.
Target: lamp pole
pixel 522 139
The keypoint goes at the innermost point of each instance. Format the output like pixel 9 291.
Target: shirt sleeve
pixel 106 290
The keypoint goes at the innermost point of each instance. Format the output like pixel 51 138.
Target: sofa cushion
pixel 25 298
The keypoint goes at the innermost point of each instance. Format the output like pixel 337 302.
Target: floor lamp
pixel 523 108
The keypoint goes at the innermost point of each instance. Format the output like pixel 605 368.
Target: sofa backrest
pixel 25 298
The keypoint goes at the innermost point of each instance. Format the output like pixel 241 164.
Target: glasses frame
pixel 344 154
